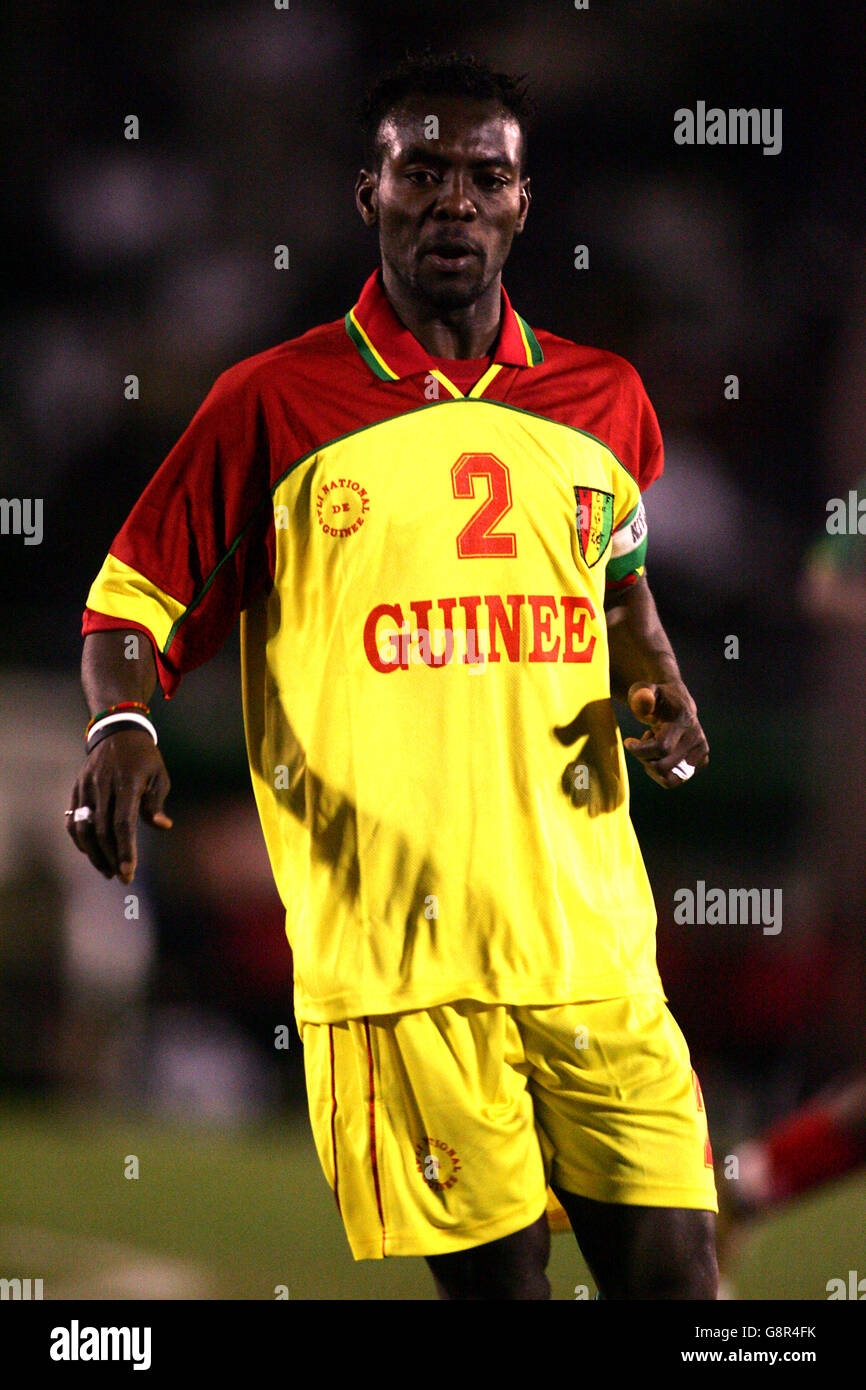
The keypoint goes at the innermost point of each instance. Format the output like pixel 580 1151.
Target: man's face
pixel 449 203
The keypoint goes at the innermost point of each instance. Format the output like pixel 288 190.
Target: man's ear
pixel 526 199
pixel 367 196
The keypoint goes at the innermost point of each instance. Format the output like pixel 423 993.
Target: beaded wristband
pixel 114 723
pixel 114 709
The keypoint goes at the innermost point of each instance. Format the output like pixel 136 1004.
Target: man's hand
pixel 674 735
pixel 122 778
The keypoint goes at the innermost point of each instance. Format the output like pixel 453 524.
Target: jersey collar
pixel 392 352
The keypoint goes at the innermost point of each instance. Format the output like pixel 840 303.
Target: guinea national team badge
pixel 437 1163
pixel 594 521
pixel 342 505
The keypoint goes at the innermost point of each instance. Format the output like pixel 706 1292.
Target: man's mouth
pixel 450 255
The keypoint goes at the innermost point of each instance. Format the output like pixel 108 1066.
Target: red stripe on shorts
pixel 333 1117
pixel 699 1097
pixel 374 1159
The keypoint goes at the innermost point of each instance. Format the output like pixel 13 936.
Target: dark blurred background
pixel 155 257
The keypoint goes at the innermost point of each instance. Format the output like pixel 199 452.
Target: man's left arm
pixel 644 675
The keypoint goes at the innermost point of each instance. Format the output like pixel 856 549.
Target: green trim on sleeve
pixel 630 563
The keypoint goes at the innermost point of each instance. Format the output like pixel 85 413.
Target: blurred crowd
pixel 154 258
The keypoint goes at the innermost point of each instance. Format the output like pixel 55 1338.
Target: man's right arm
pixel 193 553
pixel 124 776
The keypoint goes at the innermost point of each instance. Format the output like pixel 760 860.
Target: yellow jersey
pixel 418 553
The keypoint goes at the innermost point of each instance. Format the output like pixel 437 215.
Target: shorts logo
pixel 341 506
pixel 437 1163
pixel 594 522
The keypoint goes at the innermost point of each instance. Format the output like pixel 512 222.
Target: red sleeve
pixel 198 545
pixel 636 437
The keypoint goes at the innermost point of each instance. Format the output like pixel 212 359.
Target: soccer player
pixel 428 517
pixel 820 1142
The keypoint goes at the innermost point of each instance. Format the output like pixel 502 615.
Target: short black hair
pixel 442 74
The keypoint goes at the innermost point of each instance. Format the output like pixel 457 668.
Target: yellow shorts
pixel 440 1129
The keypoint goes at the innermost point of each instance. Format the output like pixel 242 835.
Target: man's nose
pixel 455 197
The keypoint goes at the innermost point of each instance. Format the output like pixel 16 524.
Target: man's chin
pixel 447 291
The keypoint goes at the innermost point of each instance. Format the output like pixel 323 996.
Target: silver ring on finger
pixel 81 813
pixel 683 770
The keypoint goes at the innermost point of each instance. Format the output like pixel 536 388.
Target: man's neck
pixel 469 331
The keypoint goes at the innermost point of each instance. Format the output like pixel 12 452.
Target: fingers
pixel 675 736
pixel 663 749
pixel 155 792
pixel 122 778
pixel 138 797
pixel 83 832
pixel 123 828
pixel 129 802
pixel 642 701
pixel 103 823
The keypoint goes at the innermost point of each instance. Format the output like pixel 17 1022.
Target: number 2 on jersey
pixel 478 537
